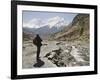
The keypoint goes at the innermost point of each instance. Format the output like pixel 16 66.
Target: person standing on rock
pixel 37 41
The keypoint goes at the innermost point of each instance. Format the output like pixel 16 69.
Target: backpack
pixel 34 42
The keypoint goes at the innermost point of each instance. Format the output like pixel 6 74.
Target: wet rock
pixel 59 43
pixel 61 64
pixel 48 54
pixel 61 57
pixel 69 55
pixel 51 55
pixel 44 44
pixel 58 51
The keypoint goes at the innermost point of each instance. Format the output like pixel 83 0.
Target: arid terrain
pixel 57 54
pixel 67 47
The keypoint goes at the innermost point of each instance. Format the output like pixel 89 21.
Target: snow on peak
pixel 55 21
pixel 51 22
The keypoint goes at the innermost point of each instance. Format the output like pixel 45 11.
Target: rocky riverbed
pixel 56 54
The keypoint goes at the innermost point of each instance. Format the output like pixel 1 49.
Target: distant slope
pixel 44 29
pixel 28 36
pixel 77 30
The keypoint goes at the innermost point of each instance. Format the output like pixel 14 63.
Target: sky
pixel 33 18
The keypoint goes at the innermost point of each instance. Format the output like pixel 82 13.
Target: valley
pixel 63 45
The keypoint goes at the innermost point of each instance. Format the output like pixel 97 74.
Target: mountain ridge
pixel 77 30
pixel 53 25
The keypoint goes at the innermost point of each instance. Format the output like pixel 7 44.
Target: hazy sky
pixel 29 16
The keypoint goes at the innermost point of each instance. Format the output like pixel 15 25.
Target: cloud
pixel 34 23
pixel 50 22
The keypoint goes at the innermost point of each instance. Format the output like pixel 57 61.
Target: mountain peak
pixel 51 22
pixel 56 22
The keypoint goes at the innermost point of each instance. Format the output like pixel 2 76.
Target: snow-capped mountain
pixel 56 22
pixel 48 26
pixel 51 22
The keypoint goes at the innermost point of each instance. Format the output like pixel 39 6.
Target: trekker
pixel 37 41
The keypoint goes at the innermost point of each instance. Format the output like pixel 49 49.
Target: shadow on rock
pixel 39 63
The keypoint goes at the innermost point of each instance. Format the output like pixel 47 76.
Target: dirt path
pixel 29 55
